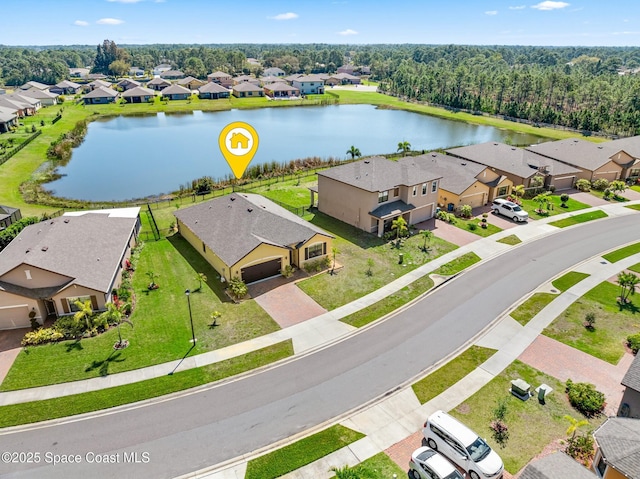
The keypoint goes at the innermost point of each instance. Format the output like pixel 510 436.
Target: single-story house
pixel 8 216
pixel 100 96
pixel 556 465
pixel 190 82
pixel 309 84
pixel 350 69
pixel 35 84
pixel 281 90
pixel 248 236
pixel 138 95
pixel 213 91
pixel 631 146
pixel 630 404
pixel 369 194
pixel 136 72
pixel 245 79
pixel 343 79
pixel 96 76
pixel 274 72
pixel 596 160
pixel 617 449
pixel 34 102
pixel 222 78
pixel 77 256
pixel 464 182
pixel 22 107
pixel 158 83
pixel 8 118
pixel 65 87
pixel 128 84
pixel 45 96
pixel 172 74
pixel 78 72
pixel 176 92
pixel 95 84
pixel 521 166
pixel 246 89
pixel 161 68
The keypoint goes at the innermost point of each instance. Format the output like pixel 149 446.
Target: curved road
pixel 205 427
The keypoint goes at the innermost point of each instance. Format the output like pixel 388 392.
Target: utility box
pixel 521 389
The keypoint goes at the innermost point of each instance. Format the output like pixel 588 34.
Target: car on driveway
pixel 509 209
pixel 428 464
pixel 462 446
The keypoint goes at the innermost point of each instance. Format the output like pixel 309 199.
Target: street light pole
pixel 193 334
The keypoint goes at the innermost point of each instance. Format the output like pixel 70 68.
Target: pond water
pixel 137 156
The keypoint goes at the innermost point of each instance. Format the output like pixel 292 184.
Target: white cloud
pixel 625 33
pixel 549 5
pixel 348 31
pixel 81 23
pixel 491 12
pixel 518 7
pixel 124 1
pixel 284 16
pixel 110 21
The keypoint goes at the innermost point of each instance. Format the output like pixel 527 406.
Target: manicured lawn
pixel 161 329
pixel 532 306
pixel 295 193
pixel 510 240
pixel 612 326
pixel 450 373
pixel 635 267
pixel 300 453
pixel 634 207
pixel 458 264
pixel 531 425
pixel 583 218
pixel 36 411
pixel 390 303
pixel 568 280
pixel 622 253
pixel 530 207
pixel 636 188
pixel 355 247
pixel 379 466
pixel 600 194
pixel 465 224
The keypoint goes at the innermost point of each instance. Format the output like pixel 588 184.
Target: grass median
pixel 583 218
pixel 622 253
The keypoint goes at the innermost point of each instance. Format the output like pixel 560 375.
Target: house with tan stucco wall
pixel 51 264
pixel 369 194
pixel 249 237
pixel 617 449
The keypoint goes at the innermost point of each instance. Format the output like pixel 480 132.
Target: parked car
pixel 462 446
pixel 509 209
pixel 426 463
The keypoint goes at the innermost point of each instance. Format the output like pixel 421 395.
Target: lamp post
pixel 193 334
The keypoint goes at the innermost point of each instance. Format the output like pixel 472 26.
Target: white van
pixel 462 446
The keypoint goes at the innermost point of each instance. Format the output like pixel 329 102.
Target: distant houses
pixel 247 90
pixel 138 95
pixel 213 91
pixel 176 92
pixel 100 96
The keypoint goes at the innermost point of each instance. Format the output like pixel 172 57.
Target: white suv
pixel 509 209
pixel 462 446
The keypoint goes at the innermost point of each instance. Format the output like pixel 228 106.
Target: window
pixel 383 196
pixel 424 189
pixel 502 191
pixel 602 466
pixel 434 186
pixel 396 192
pixel 72 302
pixel 415 190
pixel 317 249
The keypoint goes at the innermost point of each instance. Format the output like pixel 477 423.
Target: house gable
pixel 33 277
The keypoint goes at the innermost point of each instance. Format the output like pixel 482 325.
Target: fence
pixel 7 156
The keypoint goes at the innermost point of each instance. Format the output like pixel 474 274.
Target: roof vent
pixel 233 198
pixel 599 148
pixel 249 210
pixel 45 248
pixel 366 162
pixel 513 149
pixel 463 164
pixel 29 250
pixel 66 220
pixel 52 222
pixel 433 154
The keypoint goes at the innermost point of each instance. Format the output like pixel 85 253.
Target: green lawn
pixel 582 218
pixel 531 425
pixel 37 411
pixel 450 373
pixel 532 306
pixel 531 206
pixel 294 456
pixel 636 188
pixel 635 267
pixel 511 240
pixel 379 466
pixel 355 247
pixel 633 207
pixel 606 340
pixel 293 192
pixel 600 194
pixel 458 264
pixel 161 329
pixel 622 253
pixel 568 280
pixel 465 224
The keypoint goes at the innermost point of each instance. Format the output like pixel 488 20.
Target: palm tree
pixel 354 152
pixel 574 425
pixel 518 191
pixel 628 283
pixel 404 146
pixel 201 278
pixel 426 234
pixel 542 199
pixel 84 312
pixel 400 225
pixel 115 315
pixel 334 252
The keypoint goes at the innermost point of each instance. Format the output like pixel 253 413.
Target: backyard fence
pixel 16 149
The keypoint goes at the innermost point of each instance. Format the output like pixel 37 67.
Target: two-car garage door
pixel 12 317
pixel 261 271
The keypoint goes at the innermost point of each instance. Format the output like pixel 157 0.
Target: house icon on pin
pixel 238 140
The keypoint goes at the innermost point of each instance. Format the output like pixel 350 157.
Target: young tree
pixel 84 313
pixel 354 152
pixel 400 227
pixel 542 199
pixel 334 252
pixel 426 235
pixel 119 68
pixel 518 191
pixel 201 278
pixel 628 283
pixel 404 146
pixel 617 187
pixel 115 315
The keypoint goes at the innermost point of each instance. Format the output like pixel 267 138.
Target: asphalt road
pixel 202 428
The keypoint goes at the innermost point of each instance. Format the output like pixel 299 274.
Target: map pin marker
pixel 238 143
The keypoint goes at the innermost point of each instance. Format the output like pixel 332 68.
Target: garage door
pixel 261 271
pixel 421 214
pixel 475 201
pixel 14 317
pixel 565 183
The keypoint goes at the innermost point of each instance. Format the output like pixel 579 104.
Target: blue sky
pixel 478 22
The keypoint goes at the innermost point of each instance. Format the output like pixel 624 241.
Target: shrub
pixel 600 184
pixel 590 320
pixel 69 327
pixel 41 336
pixel 500 432
pixel 606 194
pixel 317 265
pixel 580 447
pixel 564 198
pixel 238 288
pixel 633 341
pixel 288 271
pixel 466 211
pixel 473 226
pixel 585 398
pixel 583 185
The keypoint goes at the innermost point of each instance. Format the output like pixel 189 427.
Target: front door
pixel 51 308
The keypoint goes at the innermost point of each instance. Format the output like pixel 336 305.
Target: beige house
pixel 221 78
pixel 369 194
pixel 630 404
pixel 630 145
pixel 521 166
pixel 556 465
pixel 247 90
pixel 617 449
pixel 77 256
pixel 248 236
pixel 596 160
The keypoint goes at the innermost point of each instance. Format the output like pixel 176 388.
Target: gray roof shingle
pixel 101 92
pixel 556 466
pixel 457 174
pixel 581 153
pixel 630 145
pixel 631 378
pixel 175 90
pixel 213 87
pixel 233 226
pixel 619 441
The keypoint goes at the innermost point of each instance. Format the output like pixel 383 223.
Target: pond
pixel 137 156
